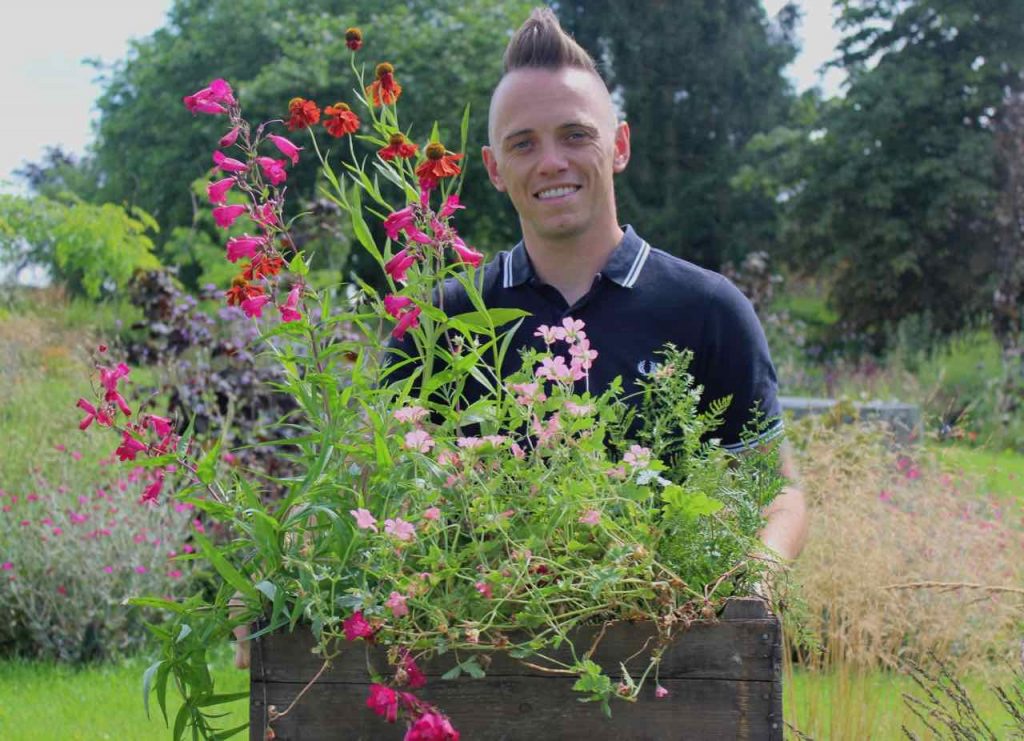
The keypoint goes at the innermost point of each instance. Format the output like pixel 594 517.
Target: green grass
pixel 849 705
pixel 44 701
pixel 999 473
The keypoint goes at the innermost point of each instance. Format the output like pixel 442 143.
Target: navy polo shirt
pixel 641 300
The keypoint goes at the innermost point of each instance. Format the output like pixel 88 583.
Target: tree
pixel 696 79
pixel 896 187
pixel 446 53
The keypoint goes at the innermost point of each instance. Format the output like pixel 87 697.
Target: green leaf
pixel 472 668
pixel 228 572
pixel 206 468
pixel 298 265
pixel 180 720
pixel 147 680
pixel 220 735
pixel 454 673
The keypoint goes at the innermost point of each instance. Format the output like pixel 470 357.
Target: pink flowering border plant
pixel 420 524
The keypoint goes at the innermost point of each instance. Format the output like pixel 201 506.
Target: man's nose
pixel 552 159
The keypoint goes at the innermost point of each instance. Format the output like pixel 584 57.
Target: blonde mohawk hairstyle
pixel 541 43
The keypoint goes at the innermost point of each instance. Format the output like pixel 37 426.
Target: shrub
pixel 71 554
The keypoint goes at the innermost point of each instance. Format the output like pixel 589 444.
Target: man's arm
pixel 785 531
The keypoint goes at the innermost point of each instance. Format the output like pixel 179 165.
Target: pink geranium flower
pixel 286 147
pixel 396 603
pixel 660 692
pixel 225 216
pixel 432 513
pixel 528 393
pixel 356 626
pixel 400 529
pixel 484 588
pixel 364 520
pixel 419 441
pixel 590 517
pixel 410 414
pixel 637 456
pixel 547 333
pixel 383 701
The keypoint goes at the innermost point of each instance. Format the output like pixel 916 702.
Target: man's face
pixel 555 147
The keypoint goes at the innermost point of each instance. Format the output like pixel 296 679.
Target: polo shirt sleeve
pixel 734 361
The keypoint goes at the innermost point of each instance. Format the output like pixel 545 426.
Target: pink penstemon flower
pixel 243 246
pixel 228 164
pixel 289 312
pixel 395 304
pixel 398 266
pixel 161 425
pixel 466 253
pixel 286 147
pixel 411 318
pixel 229 138
pixel 217 191
pixel 225 216
pixel 129 447
pixel 400 529
pixel 253 307
pixel 272 169
pixel 419 441
pixel 364 520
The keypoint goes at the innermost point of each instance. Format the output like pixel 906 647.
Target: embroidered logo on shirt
pixel 646 367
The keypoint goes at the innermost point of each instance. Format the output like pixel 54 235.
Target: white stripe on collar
pixel 638 264
pixel 507 271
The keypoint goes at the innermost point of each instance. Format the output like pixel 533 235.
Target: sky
pixel 47 92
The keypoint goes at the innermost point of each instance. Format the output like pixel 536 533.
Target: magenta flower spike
pixel 225 216
pixel 228 164
pixel 218 191
pixel 286 147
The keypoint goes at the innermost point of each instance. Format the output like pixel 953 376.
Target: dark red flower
pixel 342 120
pixel 302 113
pixel 356 626
pixel 439 164
pixel 263 266
pixel 385 88
pixel 398 146
pixel 354 39
pixel 241 290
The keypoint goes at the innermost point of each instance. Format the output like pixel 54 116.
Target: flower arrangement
pixel 421 523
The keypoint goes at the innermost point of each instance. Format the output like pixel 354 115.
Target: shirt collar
pixel 623 266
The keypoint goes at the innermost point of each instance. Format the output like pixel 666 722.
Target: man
pixel 555 146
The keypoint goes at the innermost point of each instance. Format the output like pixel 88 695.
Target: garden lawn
pixel 50 702
pixel 1000 473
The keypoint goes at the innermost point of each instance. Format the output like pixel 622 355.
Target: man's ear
pixel 621 157
pixel 491 164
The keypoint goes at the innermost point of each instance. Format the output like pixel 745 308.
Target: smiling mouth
pixel 559 192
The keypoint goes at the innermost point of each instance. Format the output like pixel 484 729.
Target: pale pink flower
pixel 217 191
pixel 571 330
pixel 547 333
pixel 528 393
pixel 469 443
pixel 484 588
pixel 547 431
pixel 617 472
pixel 286 148
pixel 396 602
pixel 637 456
pixel 590 517
pixel 419 441
pixel 410 415
pixel 448 458
pixel 579 410
pixel 517 451
pixel 660 692
pixel 433 513
pixel 554 369
pixel 364 520
pixel 400 529
pixel 495 440
pixel 581 351
pixel 174 574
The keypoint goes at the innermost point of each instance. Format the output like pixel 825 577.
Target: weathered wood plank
pixel 724 680
pixel 533 709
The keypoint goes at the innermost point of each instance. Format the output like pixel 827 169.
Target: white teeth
pixel 557 192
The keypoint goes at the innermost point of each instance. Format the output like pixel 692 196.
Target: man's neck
pixel 570 265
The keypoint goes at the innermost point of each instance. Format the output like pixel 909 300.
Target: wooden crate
pixel 724 680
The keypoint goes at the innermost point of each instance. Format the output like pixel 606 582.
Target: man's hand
pixel 242 643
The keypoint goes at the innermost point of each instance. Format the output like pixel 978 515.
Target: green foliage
pixel 93 249
pixel 891 189
pixel 696 81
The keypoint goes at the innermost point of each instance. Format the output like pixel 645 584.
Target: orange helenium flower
pixel 302 113
pixel 385 89
pixel 398 146
pixel 342 120
pixel 263 266
pixel 354 39
pixel 438 164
